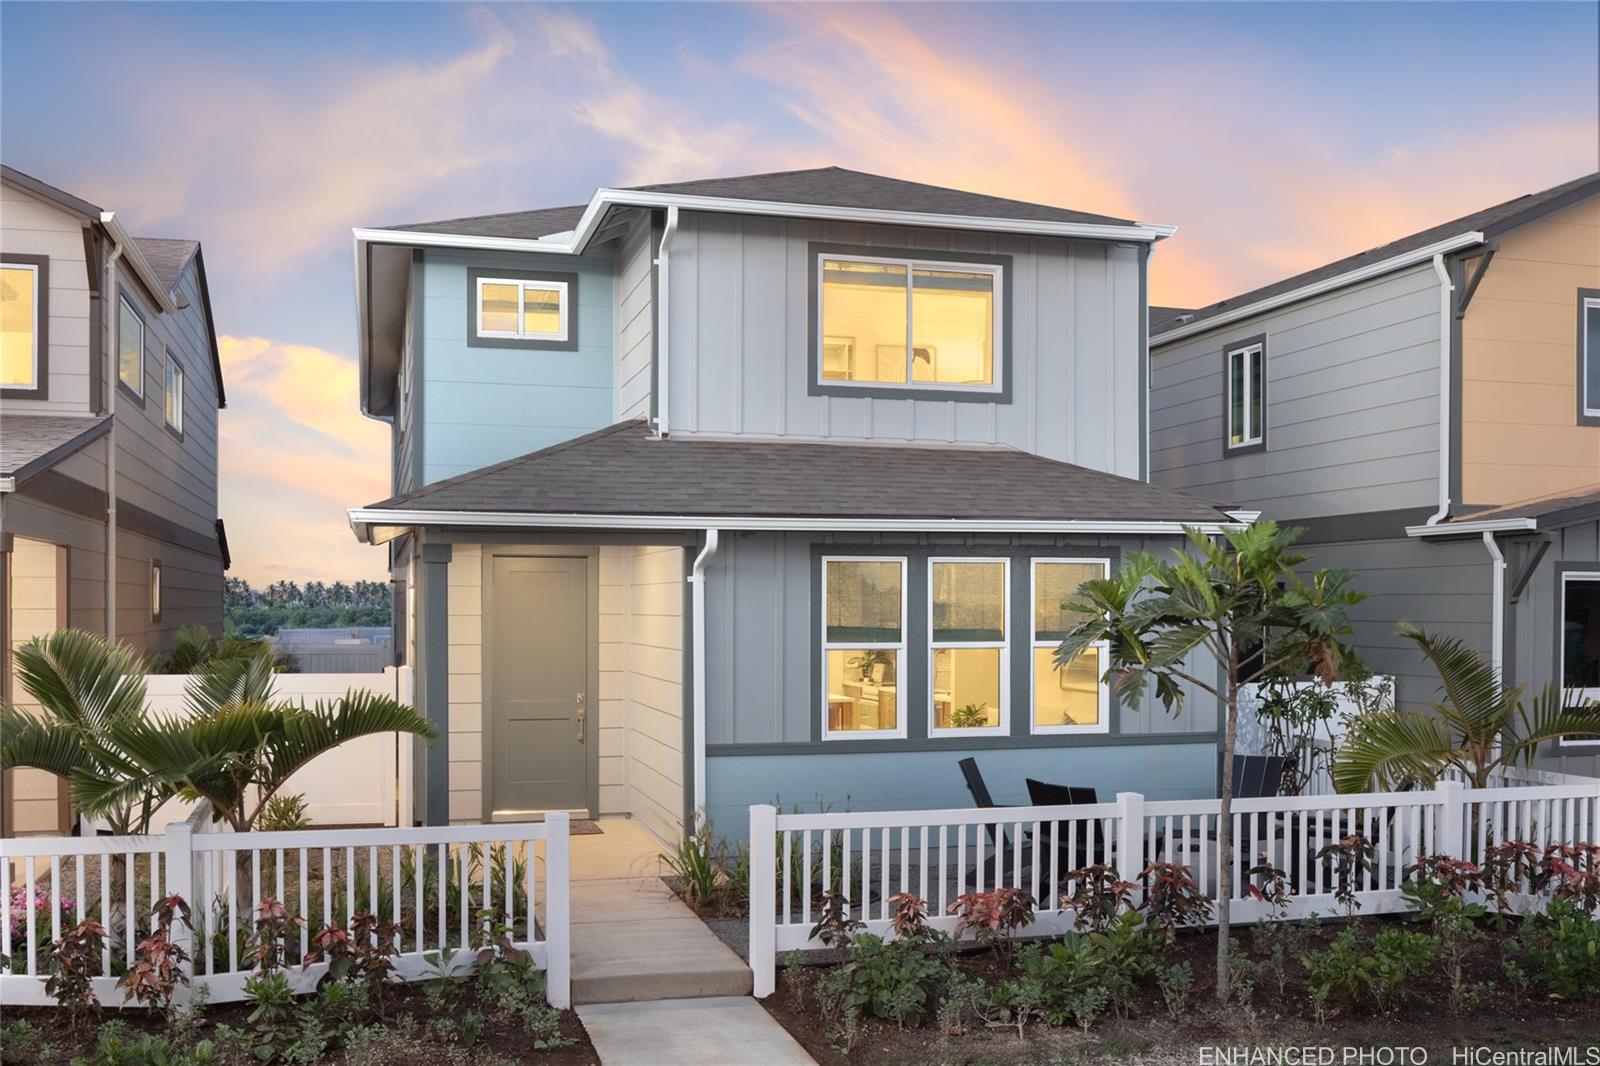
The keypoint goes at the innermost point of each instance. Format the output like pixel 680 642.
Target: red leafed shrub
pixel 1172 898
pixel 263 948
pixel 1571 872
pixel 157 968
pixel 1509 869
pixel 75 961
pixel 994 917
pixel 1096 895
pixel 910 921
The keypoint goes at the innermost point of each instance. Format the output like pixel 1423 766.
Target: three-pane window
pixel 863 645
pixel 1247 394
pixel 522 310
pixel 19 326
pixel 970 666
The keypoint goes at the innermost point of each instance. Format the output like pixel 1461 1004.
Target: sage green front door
pixel 539 655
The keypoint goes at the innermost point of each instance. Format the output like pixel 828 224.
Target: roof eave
pixel 1467 527
pixel 135 259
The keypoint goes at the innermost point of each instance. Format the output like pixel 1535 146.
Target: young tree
pixel 1240 604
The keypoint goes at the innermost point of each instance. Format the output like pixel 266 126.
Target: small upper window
pixel 1246 368
pixel 522 310
pixel 1589 354
pixel 130 348
pixel 908 322
pixel 155 591
pixel 174 394
pixel 19 325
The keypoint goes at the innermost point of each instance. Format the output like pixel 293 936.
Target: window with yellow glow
pixel 1071 698
pixel 523 310
pixel 907 323
pixel 19 326
pixel 863 646
pixel 967 598
pixel 130 348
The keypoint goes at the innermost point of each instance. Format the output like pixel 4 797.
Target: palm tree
pixel 1477 727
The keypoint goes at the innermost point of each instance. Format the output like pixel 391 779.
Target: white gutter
pixel 1445 310
pixel 663 334
pixel 1463 528
pixel 109 326
pixel 697 581
pixel 1497 624
pixel 141 266
pixel 8 484
pixel 1386 266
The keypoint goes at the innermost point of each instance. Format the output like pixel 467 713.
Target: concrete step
pixel 654 958
pixel 690 1032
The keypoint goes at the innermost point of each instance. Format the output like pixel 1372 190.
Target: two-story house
pixel 766 488
pixel 110 383
pixel 1429 411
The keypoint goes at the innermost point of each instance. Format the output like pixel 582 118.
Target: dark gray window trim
pixel 1229 450
pixel 41 325
pixel 125 295
pixel 918 637
pixel 1584 418
pixel 816 387
pixel 1557 623
pixel 568 279
pixel 167 359
pixel 157 590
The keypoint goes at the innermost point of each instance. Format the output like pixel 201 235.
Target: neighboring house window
pixel 970 674
pixel 863 646
pixel 155 591
pixel 886 321
pixel 1245 391
pixel 22 324
pixel 512 309
pixel 130 348
pixel 1589 356
pixel 1579 640
pixel 174 395
pixel 1073 699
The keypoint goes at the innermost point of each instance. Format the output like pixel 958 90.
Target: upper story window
pixel 174 397
pixel 130 348
pixel 970 672
pixel 522 309
pixel 863 646
pixel 1589 356
pixel 1245 394
pixel 23 320
pixel 887 324
pixel 1074 698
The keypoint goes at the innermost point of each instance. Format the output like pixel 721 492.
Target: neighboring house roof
pixel 521 225
pixel 624 470
pixel 1162 317
pixel 30 443
pixel 169 257
pixel 1490 222
pixel 1559 509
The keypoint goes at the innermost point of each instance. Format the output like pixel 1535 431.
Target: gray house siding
pixel 1352 404
pixel 740 360
pixel 1534 627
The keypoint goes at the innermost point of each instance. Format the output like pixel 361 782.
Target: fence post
pixel 557 910
pixel 179 860
pixel 1451 837
pixel 763 898
pixel 1130 835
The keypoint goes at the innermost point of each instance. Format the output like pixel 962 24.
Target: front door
pixel 539 730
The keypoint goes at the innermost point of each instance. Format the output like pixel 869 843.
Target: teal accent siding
pixel 485 405
pixel 917 780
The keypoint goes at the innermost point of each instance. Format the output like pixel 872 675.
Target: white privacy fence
pixel 868 858
pixel 429 886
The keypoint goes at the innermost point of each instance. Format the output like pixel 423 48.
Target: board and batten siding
pixel 31 226
pixel 1352 420
pixel 634 321
pixel 740 335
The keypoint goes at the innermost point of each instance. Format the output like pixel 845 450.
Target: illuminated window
pixel 21 286
pixel 1072 699
pixel 174 396
pixel 522 310
pixel 1247 394
pixel 155 591
pixel 130 348
pixel 863 646
pixel 970 661
pixel 908 322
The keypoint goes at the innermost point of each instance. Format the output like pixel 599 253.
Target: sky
pixel 1275 136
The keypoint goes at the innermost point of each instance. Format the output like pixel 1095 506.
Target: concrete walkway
pixel 632 939
pixel 693 1032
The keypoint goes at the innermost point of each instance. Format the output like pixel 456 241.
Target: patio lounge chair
pixel 1090 845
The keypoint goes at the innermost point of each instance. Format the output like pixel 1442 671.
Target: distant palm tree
pixel 1478 727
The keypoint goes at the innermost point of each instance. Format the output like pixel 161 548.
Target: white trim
pixel 521 333
pixel 824 646
pixel 1103 725
pixel 996 324
pixel 1003 646
pixel 31 268
pixel 1497 600
pixel 697 594
pixel 1446 421
pixel 1591 404
pixel 124 302
pixel 172 386
pixel 1581 693
pixel 1462 528
pixel 1254 422
pixel 136 259
pixel 1398 262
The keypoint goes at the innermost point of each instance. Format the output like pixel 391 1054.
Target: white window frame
pixel 520 333
pixel 32 268
pixel 1103 717
pixel 1004 646
pixel 899 730
pixel 996 327
pixel 1254 427
pixel 1581 693
pixel 1591 404
pixel 124 302
pixel 173 389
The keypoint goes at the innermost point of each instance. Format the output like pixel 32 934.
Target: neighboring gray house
pixel 108 407
pixel 765 488
pixel 1429 411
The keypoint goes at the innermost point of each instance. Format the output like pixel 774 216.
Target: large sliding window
pixel 863 646
pixel 970 664
pixel 1072 699
pixel 1245 393
pixel 1579 641
pixel 1589 356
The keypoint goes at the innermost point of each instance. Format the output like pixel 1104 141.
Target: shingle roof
pixel 1570 505
pixel 1162 317
pixel 823 186
pixel 30 443
pixel 167 257
pixel 624 470
pixel 1491 221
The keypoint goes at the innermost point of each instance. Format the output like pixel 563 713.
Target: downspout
pixel 108 304
pixel 663 337
pixel 1446 288
pixel 697 581
pixel 1497 620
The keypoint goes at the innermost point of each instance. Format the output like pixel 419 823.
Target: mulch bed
pixel 1150 1035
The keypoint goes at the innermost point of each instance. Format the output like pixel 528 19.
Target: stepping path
pixel 720 1031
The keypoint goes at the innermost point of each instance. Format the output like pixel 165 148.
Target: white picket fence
pixel 431 882
pixel 870 857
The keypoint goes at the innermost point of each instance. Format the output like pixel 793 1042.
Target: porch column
pixel 433 673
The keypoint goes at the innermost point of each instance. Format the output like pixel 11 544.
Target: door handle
pixel 583 719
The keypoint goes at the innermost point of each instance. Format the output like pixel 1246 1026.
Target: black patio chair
pixel 1256 776
pixel 982 798
pixel 1090 846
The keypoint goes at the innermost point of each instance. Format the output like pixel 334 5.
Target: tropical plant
pixel 970 716
pixel 993 918
pixel 1172 898
pixel 1477 727
pixel 157 968
pixel 1096 895
pixel 1240 603
pixel 195 647
pixel 284 811
pixel 74 963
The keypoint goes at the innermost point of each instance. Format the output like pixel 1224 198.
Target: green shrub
pixel 892 980
pixel 284 812
pixel 1351 973
pixel 1561 950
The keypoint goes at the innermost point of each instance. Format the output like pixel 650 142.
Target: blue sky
pixel 1275 136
